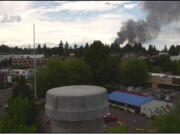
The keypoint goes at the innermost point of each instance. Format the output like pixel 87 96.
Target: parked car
pixel 110 118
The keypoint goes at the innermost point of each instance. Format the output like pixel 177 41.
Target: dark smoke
pixel 160 13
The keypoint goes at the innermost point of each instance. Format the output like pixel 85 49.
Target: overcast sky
pixel 76 22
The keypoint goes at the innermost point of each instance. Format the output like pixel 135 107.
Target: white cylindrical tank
pixel 77 109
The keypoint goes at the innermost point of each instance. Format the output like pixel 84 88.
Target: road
pixel 4 98
pixel 4 95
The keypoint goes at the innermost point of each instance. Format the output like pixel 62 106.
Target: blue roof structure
pixel 130 99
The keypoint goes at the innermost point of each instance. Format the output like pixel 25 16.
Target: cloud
pixel 99 27
pixel 130 6
pixel 77 29
pixel 89 6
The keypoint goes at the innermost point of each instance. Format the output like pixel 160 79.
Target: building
pixel 175 58
pixel 29 61
pixel 128 100
pixel 12 74
pixel 154 107
pixel 163 53
pixel 77 109
pixel 4 56
pixel 163 82
pixel 127 56
pixel 17 73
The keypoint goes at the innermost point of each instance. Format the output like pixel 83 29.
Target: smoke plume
pixel 159 14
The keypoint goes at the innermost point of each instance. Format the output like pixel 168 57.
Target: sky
pixel 73 21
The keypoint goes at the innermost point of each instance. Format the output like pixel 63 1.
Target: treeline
pixel 164 65
pixel 64 49
pixel 98 66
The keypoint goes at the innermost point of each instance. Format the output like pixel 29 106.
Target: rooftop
pixel 129 98
pixel 165 75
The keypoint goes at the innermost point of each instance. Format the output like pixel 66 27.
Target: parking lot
pixel 132 121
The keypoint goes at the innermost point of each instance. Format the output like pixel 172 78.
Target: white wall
pixel 173 58
pixel 123 107
pixel 152 107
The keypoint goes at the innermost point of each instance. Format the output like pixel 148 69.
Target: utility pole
pixel 35 91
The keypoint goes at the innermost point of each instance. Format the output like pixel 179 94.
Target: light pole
pixel 35 91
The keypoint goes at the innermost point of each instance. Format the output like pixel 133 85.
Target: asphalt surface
pixel 132 121
pixel 4 98
pixel 4 95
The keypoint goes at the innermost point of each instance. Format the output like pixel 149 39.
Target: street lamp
pixel 35 91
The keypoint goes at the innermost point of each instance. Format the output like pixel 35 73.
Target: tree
pixel 165 49
pixel 66 49
pixel 22 89
pixel 58 73
pixel 61 49
pixel 134 72
pixel 170 66
pixel 20 117
pixel 162 59
pixel 2 80
pixel 173 51
pixel 8 126
pixel 150 50
pixel 97 56
pixel 80 52
pixel 44 49
pixel 49 77
pixel 21 110
pixel 39 49
pixel 178 68
pixel 168 122
pixel 76 72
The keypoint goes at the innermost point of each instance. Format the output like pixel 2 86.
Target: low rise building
pixel 4 56
pixel 163 82
pixel 30 61
pixel 17 73
pixel 128 101
pixel 155 107
pixel 175 58
pixel 138 103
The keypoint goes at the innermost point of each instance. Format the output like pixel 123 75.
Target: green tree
pixel 58 73
pixel 76 72
pixel 22 89
pixel 103 65
pixel 20 116
pixel 8 126
pixel 162 59
pixel 168 122
pixel 165 49
pixel 173 51
pixel 178 68
pixel 39 49
pixel 49 77
pixel 134 72
pixel 66 49
pixel 151 50
pixel 21 110
pixel 170 66
pixel 61 49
